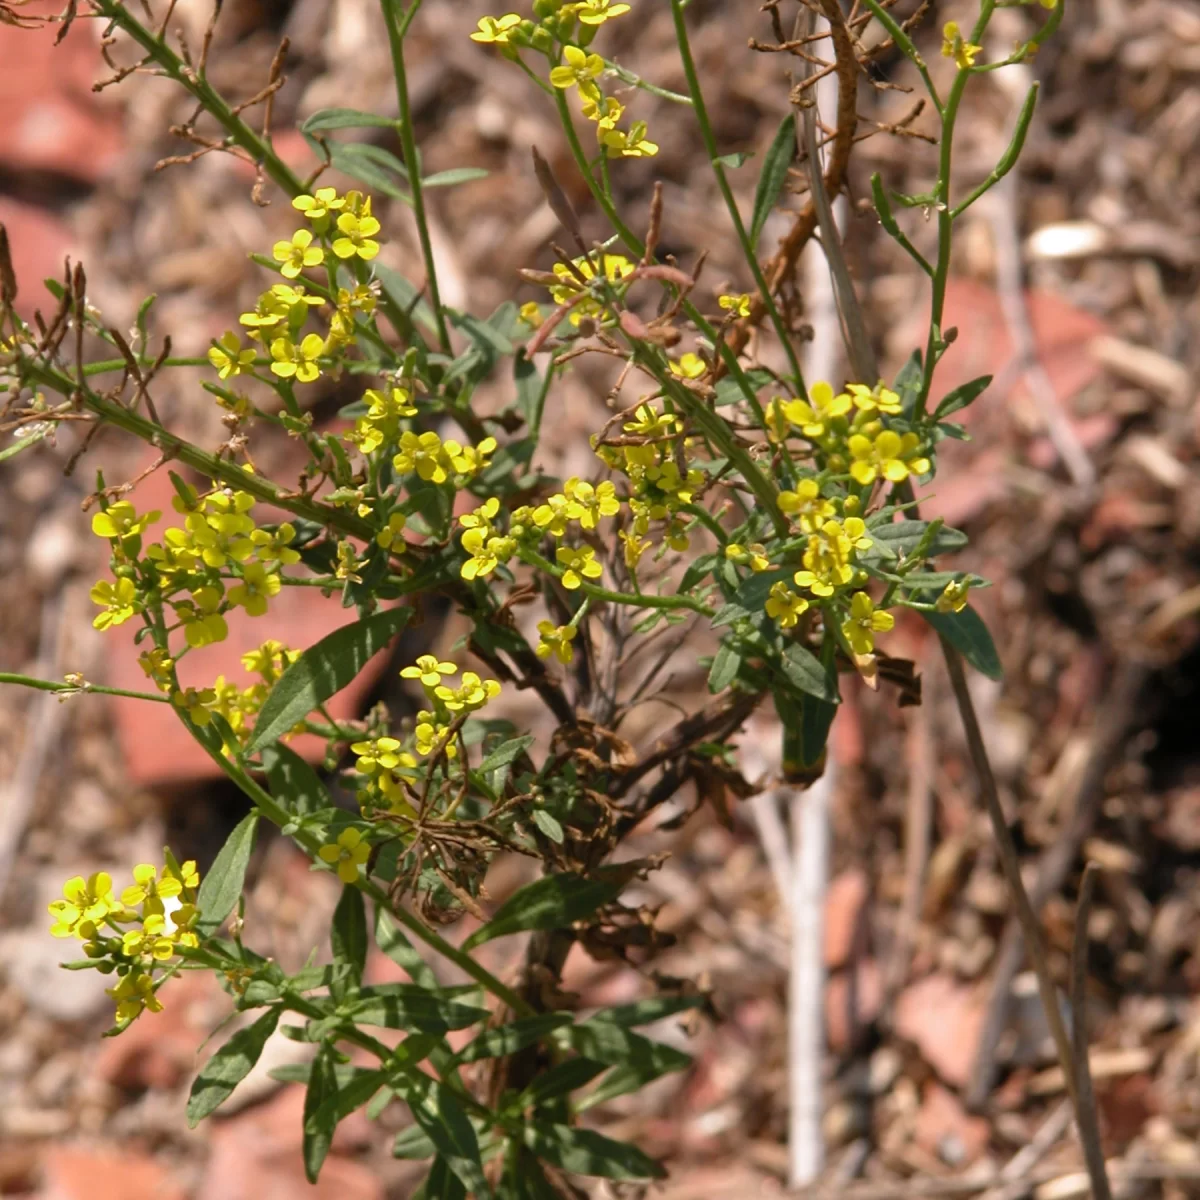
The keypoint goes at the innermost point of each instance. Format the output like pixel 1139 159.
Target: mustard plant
pixel 728 499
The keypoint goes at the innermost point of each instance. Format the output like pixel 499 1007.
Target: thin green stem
pixel 397 27
pixel 904 42
pixel 641 600
pixel 628 76
pixel 710 146
pixel 77 689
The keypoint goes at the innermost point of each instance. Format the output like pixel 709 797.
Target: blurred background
pixel 1074 285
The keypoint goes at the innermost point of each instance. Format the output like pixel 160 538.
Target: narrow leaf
pixel 453 176
pixel 508 1039
pixel 968 634
pixel 413 1009
pixel 804 671
pixel 229 1066
pixel 348 937
pixel 774 175
pixel 585 1152
pixel 221 887
pixel 505 754
pixel 724 668
pixel 293 782
pixel 440 1114
pixel 552 902
pixel 323 670
pixel 401 951
pixel 322 1087
pixel 963 395
pixel 345 118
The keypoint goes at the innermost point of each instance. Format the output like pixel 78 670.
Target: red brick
pixel 76 1173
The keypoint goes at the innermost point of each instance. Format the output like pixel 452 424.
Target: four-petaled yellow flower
pixel 297 362
pixel 380 754
pixel 596 12
pixel 864 623
pixel 474 693
pixel 806 504
pixel 429 670
pixel 389 536
pixel 228 356
pixel 688 366
pixel 257 587
pixel 754 555
pixel 580 563
pixel 785 606
pixel 954 596
pixel 149 890
pixel 134 994
pixel 738 306
pixel 357 237
pixel 556 640
pixel 347 854
pixel 955 46
pixel 890 455
pixel 84 903
pixel 117 600
pixel 822 408
pixel 120 520
pixel 297 254
pixel 496 30
pixel 578 71
pixel 876 399
pixel 318 207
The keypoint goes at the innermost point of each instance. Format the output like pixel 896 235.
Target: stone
pixel 32 957
pixel 844 900
pixel 944 1128
pixel 79 1173
pixel 943 1019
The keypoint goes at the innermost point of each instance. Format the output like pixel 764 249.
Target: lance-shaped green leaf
pixel 348 938
pixel 221 887
pixel 552 902
pixel 773 176
pixel 318 1133
pixel 322 671
pixel 229 1066
pixel 585 1152
pixel 968 634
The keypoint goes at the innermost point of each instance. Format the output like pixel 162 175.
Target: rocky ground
pixel 1075 287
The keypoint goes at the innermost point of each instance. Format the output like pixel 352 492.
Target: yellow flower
pixel 496 30
pixel 357 237
pixel 117 600
pixel 481 518
pixel 157 666
pixel 83 903
pixel 380 754
pixel 956 47
pixel 134 995
pixel 347 854
pixel 954 596
pixel 195 704
pixel 738 306
pixel 424 454
pixel 556 640
pixel 487 550
pixel 228 356
pixel 596 12
pixel 297 254
pixel 470 460
pixel 864 623
pixel 430 733
pixel 473 694
pixel 635 547
pixel 591 502
pixel 275 547
pixel 298 362
pixel 390 535
pixel 257 587
pixel 876 399
pixel 579 71
pixel 554 515
pixel 688 366
pixel 830 555
pixel 120 520
pixel 269 660
pixel 890 455
pixel 203 624
pixel 806 504
pixel 631 143
pixel 649 422
pixel 347 563
pixel 319 205
pixel 580 563
pixel 823 407
pixel 531 313
pixel 429 670
pixel 615 267
pixel 148 889
pixel 775 422
pixel 755 555
pixel 784 606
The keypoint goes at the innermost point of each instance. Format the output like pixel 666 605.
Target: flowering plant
pixel 776 514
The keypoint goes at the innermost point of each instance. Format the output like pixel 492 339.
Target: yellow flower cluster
pixel 135 934
pixel 437 461
pixel 576 284
pixel 446 703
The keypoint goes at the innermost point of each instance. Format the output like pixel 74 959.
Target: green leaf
pixel 413 1142
pixel 552 902
pixel 441 1183
pixel 351 1094
pixel 529 388
pixel 439 1113
pixel 405 295
pixel 585 1152
pixel 229 1066
pixel 549 825
pixel 345 118
pixel 482 333
pixel 322 1087
pixel 968 634
pixel 323 670
pixel 407 1006
pixel 348 938
pixel 774 175
pixel 221 887
pixel 894 539
pixel 296 786
pixel 505 754
pixel 724 668
pixel 727 614
pixel 516 1035
pixel 561 1080
pixel 963 395
pixel 401 951
pixel 804 671
pixel 816 718
pixel 456 175
pixel 373 165
pixel 24 443
pixel 604 1042
pixel 524 1179
pixel 753 592
pixel 908 382
pixel 646 1012
pixel 738 158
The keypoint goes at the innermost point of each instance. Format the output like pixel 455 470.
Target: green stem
pixel 628 76
pixel 77 689
pixel 642 600
pixel 710 146
pixel 906 47
pixel 397 27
